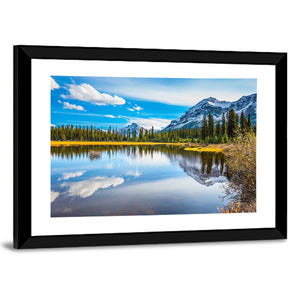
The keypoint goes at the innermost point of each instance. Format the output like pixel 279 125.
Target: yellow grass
pixel 226 148
pixel 209 148
pixel 79 143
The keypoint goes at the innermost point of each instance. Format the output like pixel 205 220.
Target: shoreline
pixel 225 148
pixel 95 143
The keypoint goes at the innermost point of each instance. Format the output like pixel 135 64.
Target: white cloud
pixel 148 123
pixel 59 101
pixel 85 92
pixel 54 84
pixel 135 173
pixel 110 116
pixel 88 187
pixel 161 188
pixel 54 195
pixel 52 125
pixel 66 176
pixel 109 166
pixel 135 108
pixel 67 105
pixel 186 95
pixel 138 108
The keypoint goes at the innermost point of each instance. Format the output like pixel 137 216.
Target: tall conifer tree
pixel 211 126
pixel 223 124
pixel 249 125
pixel 204 131
pixel 243 122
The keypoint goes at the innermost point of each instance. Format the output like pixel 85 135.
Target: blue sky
pixel 119 101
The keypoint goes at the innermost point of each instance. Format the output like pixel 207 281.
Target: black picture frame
pixel 23 56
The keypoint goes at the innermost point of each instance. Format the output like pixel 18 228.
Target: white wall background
pixel 247 270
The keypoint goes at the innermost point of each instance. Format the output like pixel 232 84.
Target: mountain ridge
pixel 194 115
pixel 132 127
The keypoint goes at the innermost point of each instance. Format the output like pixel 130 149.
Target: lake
pixel 135 180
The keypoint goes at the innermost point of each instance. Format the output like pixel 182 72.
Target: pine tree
pixel 141 134
pixel 128 135
pixel 218 129
pixel 223 124
pixel 237 121
pixel 204 131
pixel 249 125
pixel 211 126
pixel 134 138
pixel 243 122
pixel 232 124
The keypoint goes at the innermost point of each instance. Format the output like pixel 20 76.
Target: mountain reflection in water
pixel 135 180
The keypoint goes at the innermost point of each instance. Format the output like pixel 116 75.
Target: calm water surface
pixel 135 180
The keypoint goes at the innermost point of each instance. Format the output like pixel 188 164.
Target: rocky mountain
pixel 194 116
pixel 204 179
pixel 133 127
pixel 198 169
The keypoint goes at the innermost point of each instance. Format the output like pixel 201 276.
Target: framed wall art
pixel 142 146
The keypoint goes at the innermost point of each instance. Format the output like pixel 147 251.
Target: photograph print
pixel 124 146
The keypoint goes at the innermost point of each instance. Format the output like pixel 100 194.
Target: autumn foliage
pixel 241 171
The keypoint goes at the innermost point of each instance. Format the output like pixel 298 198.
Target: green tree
pixel 232 124
pixel 141 134
pixel 204 130
pixel 243 122
pixel 249 125
pixel 218 130
pixel 128 135
pixel 223 124
pixel 211 126
pixel 152 133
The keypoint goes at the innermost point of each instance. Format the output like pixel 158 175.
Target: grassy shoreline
pixel 95 143
pixel 188 146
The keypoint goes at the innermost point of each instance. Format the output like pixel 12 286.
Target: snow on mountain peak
pixel 132 127
pixel 194 116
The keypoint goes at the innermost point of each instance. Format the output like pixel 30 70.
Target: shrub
pixel 241 172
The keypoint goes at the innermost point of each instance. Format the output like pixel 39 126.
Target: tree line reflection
pixel 204 162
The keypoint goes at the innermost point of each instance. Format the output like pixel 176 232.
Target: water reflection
pixel 134 180
pixel 86 188
pixel 66 176
pixel 54 195
pixel 207 160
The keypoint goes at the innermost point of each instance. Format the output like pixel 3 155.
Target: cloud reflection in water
pixel 54 195
pixel 66 176
pixel 86 188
